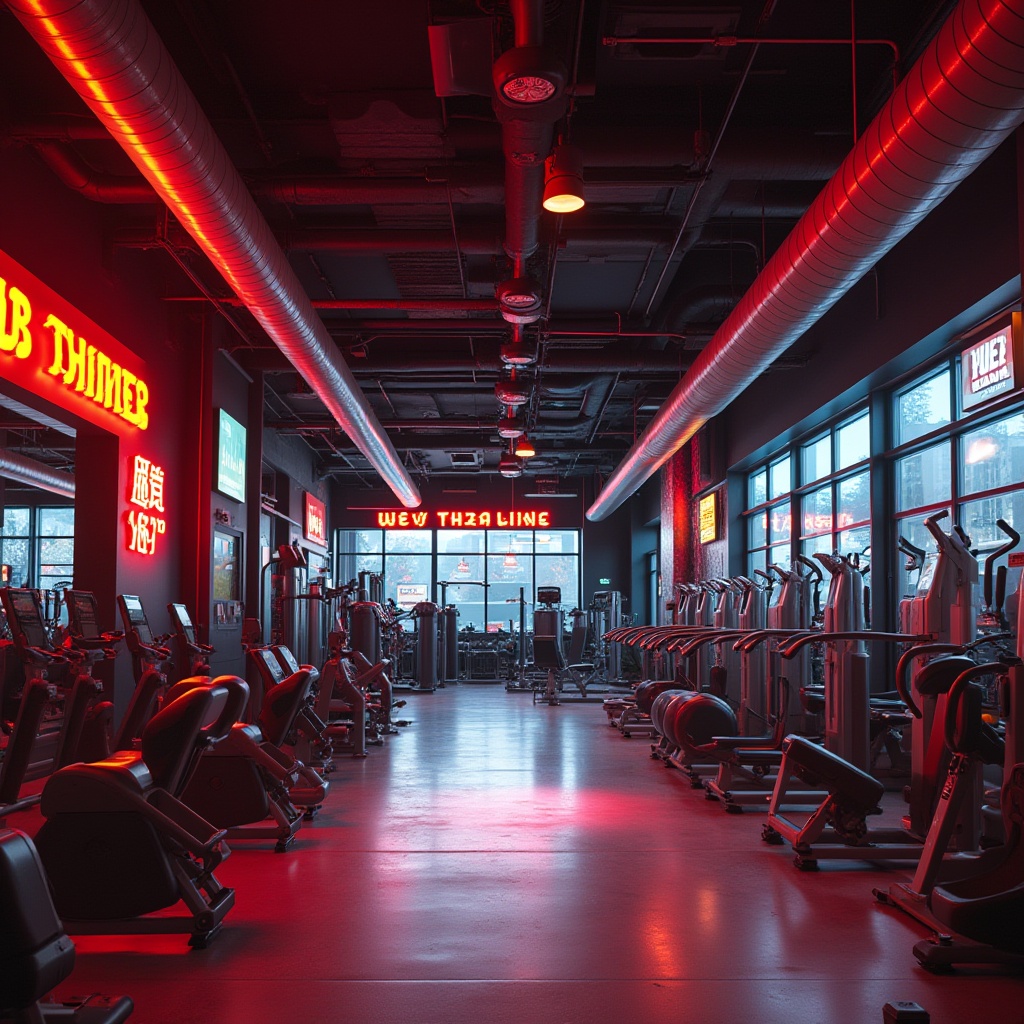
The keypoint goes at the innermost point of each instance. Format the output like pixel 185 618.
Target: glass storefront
pixel 487 572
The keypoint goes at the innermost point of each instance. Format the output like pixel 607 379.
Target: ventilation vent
pixel 466 460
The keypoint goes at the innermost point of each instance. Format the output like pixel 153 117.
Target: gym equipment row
pixel 142 826
pixel 956 681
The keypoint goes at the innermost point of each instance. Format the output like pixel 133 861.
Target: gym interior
pixel 511 511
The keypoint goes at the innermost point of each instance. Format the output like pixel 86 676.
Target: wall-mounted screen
pixel 230 467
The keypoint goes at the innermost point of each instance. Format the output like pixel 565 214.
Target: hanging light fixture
pixel 509 466
pixel 563 180
pixel 523 448
pixel 510 561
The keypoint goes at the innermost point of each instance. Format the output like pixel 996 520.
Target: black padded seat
pixel 814 763
pixel 940 673
pixel 282 705
pixel 35 953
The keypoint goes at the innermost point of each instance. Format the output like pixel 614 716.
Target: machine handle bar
pixel 854 634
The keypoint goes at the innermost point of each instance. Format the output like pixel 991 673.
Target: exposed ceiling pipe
pixel 527 126
pixel 110 53
pixel 960 100
pixel 24 470
pixel 486 358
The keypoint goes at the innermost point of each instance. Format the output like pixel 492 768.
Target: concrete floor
pixel 500 861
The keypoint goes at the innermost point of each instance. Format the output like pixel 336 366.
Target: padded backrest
pixel 176 734
pixel 281 706
pixel 35 954
pixel 547 653
pixel 577 643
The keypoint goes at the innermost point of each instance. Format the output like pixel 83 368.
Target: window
pixel 55 546
pixel 510 563
pixel 922 408
pixel 828 508
pixel 39 545
pixel 770 526
pixel 15 544
pixel 975 470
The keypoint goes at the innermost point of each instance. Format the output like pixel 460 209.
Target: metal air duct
pixel 35 474
pixel 960 100
pixel 110 53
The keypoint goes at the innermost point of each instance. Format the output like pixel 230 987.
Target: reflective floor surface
pixel 500 861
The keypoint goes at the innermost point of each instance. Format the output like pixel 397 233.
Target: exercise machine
pixel 36 954
pixel 118 845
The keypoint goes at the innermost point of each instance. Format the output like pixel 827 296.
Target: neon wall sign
pixel 990 366
pixel 146 493
pixel 478 519
pixel 52 349
pixel 315 519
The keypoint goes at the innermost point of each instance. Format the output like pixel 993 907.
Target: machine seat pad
pixel 840 776
pixel 940 673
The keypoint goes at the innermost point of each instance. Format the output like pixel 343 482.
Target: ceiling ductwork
pixel 959 101
pixel 24 470
pixel 111 54
pixel 530 98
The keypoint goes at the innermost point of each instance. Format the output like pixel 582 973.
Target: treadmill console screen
pixel 82 608
pixel 131 607
pixel 268 665
pixel 287 659
pixel 29 616
pixel 182 622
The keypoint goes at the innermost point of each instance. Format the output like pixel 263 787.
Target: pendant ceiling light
pixel 524 448
pixel 563 181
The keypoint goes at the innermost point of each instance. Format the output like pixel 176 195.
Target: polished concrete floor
pixel 500 861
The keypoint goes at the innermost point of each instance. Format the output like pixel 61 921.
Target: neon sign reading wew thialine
pixel 476 519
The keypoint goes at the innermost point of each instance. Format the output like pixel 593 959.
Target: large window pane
pixel 559 571
pixel 16 522
pixel 780 555
pixel 993 456
pixel 758 528
pixel 758 489
pixel 817 514
pixel 15 554
pixel 499 541
pixel 553 542
pixel 781 480
pixel 856 542
pixel 756 560
pixel 923 408
pixel 467 541
pixel 912 529
pixel 780 523
pixel 408 540
pixel 816 459
pixel 854 441
pixel 979 517
pixel 924 477
pixel 811 545
pixel 407 578
pixel 57 522
pixel 506 575
pixel 854 501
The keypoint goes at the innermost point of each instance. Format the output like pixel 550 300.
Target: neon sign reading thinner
pixel 483 519
pixel 45 347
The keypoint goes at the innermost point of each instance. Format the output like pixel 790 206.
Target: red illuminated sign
pixel 316 520
pixel 146 492
pixel 477 519
pixel 988 365
pixel 53 350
